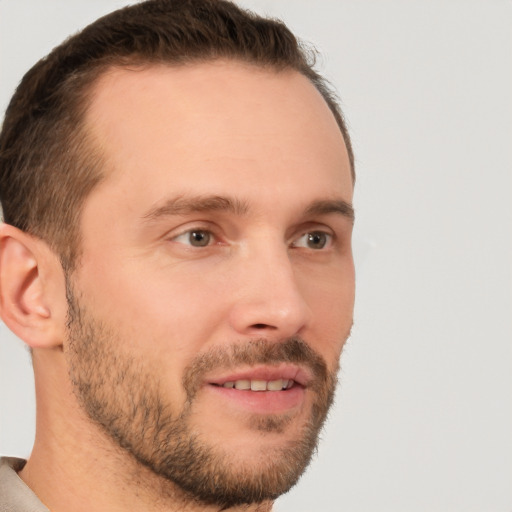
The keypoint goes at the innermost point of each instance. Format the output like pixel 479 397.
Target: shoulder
pixel 15 496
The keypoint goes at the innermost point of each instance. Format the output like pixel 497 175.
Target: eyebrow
pixel 185 205
pixel 327 206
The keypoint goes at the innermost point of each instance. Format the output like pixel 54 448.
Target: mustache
pixel 259 351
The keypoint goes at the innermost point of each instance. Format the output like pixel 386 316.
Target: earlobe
pixel 28 306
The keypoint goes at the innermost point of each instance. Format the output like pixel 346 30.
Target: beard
pixel 124 397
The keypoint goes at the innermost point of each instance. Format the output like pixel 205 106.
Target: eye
pixel 313 240
pixel 195 238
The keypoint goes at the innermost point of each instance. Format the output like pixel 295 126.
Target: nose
pixel 268 300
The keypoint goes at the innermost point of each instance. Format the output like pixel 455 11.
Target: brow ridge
pixel 327 206
pixel 185 205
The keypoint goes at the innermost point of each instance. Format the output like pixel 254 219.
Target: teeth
pixel 276 385
pixel 243 384
pixel 259 385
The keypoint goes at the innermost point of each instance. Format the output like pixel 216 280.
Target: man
pixel 176 182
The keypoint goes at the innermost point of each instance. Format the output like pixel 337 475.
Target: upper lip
pixel 299 374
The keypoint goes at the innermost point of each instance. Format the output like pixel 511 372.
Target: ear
pixel 32 289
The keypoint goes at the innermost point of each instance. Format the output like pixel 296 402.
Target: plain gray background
pixel 423 417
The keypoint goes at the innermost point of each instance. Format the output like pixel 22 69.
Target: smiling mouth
pixel 263 390
pixel 259 385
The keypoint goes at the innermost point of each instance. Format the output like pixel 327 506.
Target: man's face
pixel 216 258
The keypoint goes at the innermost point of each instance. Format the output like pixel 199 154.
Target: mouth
pixel 264 390
pixel 258 385
pixel 264 378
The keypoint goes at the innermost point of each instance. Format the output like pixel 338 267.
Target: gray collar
pixel 15 495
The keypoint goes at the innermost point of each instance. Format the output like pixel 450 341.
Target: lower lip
pixel 262 402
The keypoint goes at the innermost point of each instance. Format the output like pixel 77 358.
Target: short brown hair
pixel 47 165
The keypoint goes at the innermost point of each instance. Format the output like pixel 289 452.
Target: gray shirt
pixel 15 495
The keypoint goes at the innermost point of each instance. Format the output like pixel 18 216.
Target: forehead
pixel 217 124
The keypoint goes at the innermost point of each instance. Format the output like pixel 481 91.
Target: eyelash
pixel 315 236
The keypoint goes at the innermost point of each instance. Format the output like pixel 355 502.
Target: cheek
pixel 331 300
pixel 161 324
pixel 171 312
pixel 330 291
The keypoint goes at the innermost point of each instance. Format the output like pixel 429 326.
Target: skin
pixel 267 142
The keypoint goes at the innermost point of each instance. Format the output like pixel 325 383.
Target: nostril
pixel 261 326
